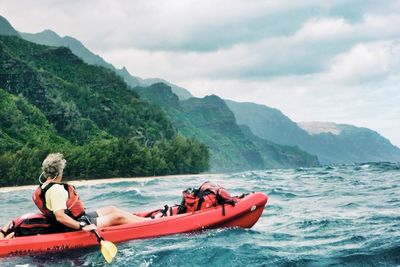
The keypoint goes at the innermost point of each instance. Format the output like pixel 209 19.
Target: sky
pixel 314 60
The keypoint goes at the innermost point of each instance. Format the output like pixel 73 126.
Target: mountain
pixel 87 112
pixel 231 150
pixel 332 143
pixel 342 143
pixel 268 123
pixel 280 156
pixel 91 109
pixel 210 121
pixel 6 28
pixel 48 37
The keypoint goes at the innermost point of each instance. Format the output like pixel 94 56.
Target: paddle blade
pixel 109 250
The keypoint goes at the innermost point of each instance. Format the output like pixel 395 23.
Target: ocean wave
pixel 278 192
pixel 389 256
pixel 341 215
pixel 380 166
pixel 127 194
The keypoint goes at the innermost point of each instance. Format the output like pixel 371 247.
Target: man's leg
pixel 106 210
pixel 111 215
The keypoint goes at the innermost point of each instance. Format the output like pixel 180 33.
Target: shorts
pixel 92 217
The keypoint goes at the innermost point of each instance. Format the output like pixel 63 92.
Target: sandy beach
pixel 107 181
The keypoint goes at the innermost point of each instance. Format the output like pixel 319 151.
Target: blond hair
pixel 53 165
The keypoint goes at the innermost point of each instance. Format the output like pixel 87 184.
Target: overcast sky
pixel 314 60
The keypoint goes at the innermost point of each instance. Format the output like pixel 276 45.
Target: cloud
pixel 171 25
pixel 314 60
pixel 204 25
pixel 308 50
pixel 366 62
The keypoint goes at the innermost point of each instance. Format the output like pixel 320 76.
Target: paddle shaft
pixel 99 238
pixel 108 249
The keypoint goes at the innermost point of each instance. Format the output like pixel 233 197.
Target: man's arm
pixel 58 197
pixel 64 219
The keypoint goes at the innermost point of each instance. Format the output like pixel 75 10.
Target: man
pixel 60 203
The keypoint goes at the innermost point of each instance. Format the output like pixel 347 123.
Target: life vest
pixel 75 207
pixel 33 224
pixel 206 196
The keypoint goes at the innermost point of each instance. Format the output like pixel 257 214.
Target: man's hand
pixel 10 235
pixel 89 227
pixel 6 228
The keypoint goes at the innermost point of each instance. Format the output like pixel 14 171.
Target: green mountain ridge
pixel 50 38
pixel 99 121
pixel 209 120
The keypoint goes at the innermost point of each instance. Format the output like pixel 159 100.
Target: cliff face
pixel 210 120
pixel 232 149
pixel 332 143
pixel 280 156
pixel 268 123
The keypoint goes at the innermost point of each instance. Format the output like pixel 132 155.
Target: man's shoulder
pixel 57 188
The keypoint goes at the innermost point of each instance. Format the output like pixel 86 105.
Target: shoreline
pixel 106 181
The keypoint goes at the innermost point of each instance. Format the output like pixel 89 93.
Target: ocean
pixel 327 216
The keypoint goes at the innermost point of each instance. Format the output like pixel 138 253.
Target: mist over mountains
pixel 241 135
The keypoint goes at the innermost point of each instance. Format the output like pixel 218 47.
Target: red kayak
pixel 244 214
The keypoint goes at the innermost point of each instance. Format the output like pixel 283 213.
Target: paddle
pixel 108 249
